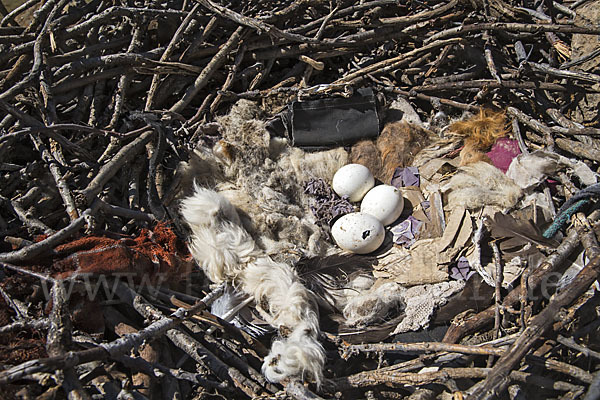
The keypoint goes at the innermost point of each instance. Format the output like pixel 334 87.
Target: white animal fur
pixel 297 355
pixel 204 208
pixel 366 301
pixel 226 252
pixel 372 305
pixel 481 184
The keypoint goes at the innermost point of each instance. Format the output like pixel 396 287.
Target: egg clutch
pixel 363 232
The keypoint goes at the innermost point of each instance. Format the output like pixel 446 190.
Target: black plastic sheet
pixel 330 122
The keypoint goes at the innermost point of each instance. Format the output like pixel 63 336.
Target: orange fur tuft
pixel 481 132
pixel 483 129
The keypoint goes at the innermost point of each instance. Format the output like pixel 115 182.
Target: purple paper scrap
pixel 462 270
pixel 408 176
pixel 405 233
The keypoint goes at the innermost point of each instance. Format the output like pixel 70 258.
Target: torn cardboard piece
pixel 414 266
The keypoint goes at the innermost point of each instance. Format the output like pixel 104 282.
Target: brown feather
pixel 517 232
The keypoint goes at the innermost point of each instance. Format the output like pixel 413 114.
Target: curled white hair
pixel 227 252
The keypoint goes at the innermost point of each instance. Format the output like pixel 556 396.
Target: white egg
pixel 353 180
pixel 384 202
pixel 358 232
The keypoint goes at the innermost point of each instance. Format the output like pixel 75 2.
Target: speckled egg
pixel 384 202
pixel 354 181
pixel 358 232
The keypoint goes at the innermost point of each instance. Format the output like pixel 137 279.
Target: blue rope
pixel 571 206
pixel 562 218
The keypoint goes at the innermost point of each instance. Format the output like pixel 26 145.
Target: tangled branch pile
pixel 102 101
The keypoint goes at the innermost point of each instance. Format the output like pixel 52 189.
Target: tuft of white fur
pixel 227 252
pixel 206 207
pixel 481 184
pixel 221 250
pixel 300 354
pixel 279 293
pixel 365 300
pixel 372 305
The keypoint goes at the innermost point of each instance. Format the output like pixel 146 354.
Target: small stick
pixel 47 130
pixel 17 242
pixel 498 295
pixel 61 183
pixel 262 75
pixel 126 212
pixel 579 149
pixel 518 136
pixel 542 381
pixel 194 377
pixel 425 347
pixel 109 169
pixel 569 342
pixel 58 341
pixel 241 51
pixel 17 305
pixel 401 379
pixel 89 50
pixel 431 99
pixel 511 27
pixel 492 84
pixel 154 202
pixel 208 71
pixel 25 217
pixel 38 324
pixel 563 73
pixel 524 296
pixel 18 10
pixel 489 59
pixel 562 367
pixel 516 393
pixel 24 271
